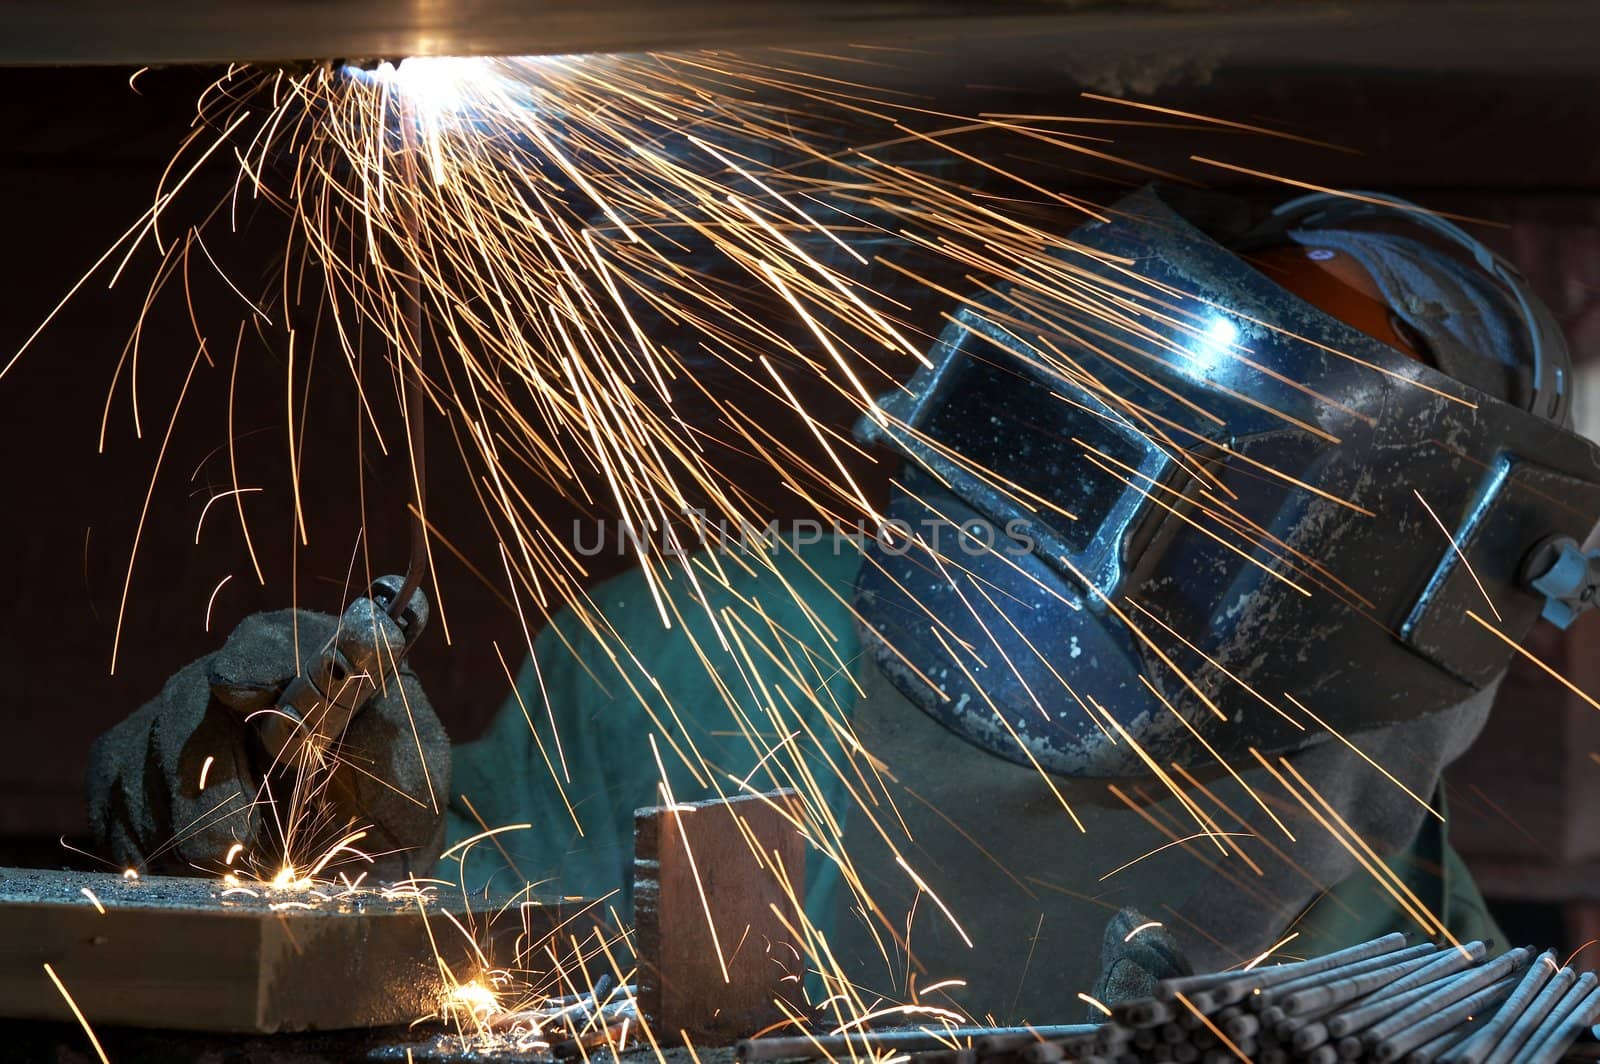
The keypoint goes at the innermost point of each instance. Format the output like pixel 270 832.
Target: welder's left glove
pixel 179 783
pixel 1135 955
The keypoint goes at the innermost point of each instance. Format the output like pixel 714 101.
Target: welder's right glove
pixel 179 783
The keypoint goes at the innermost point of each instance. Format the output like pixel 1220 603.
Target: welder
pixel 1262 526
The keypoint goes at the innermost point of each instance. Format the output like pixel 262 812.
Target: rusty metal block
pixel 713 956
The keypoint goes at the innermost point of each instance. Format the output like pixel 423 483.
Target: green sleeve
pixel 1359 908
pixel 570 752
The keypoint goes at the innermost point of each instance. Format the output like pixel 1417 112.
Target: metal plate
pixel 1499 36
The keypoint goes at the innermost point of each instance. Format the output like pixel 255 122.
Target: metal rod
pixel 1281 973
pixel 1339 988
pixel 1430 1051
pixel 1510 1047
pixel 1447 993
pixel 1354 1021
pixel 1569 1014
pixel 1281 992
pixel 1444 1019
pixel 904 1040
pixel 1479 1045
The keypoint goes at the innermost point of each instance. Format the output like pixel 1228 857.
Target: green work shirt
pixel 570 753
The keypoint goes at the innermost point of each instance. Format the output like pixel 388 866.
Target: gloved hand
pixel 388 775
pixel 1135 954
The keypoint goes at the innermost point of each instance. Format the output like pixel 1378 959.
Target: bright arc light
pixel 476 999
pixel 436 88
pixel 1213 342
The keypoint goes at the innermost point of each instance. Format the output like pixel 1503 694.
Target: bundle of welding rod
pixel 1380 1001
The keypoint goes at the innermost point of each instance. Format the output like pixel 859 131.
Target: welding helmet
pixel 1186 489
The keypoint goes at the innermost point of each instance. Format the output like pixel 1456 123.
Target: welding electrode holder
pixel 362 657
pixel 1567 576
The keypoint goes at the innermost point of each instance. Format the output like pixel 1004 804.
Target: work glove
pixel 183 782
pixel 1135 954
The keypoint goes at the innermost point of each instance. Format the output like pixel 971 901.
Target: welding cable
pixel 417 567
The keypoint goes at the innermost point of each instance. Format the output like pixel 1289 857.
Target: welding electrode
pixel 1478 1047
pixel 1340 986
pixel 1550 1042
pixel 1411 988
pixel 1380 1001
pixel 1281 973
pixel 1450 1017
pixel 1447 993
pixel 1522 1030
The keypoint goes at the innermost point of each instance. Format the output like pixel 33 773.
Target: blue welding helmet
pixel 1157 505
